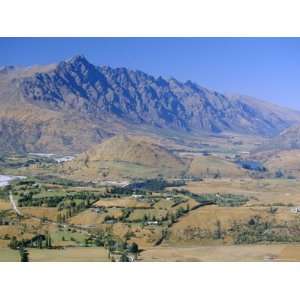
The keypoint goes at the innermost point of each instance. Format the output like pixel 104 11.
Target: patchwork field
pixel 128 202
pixel 201 224
pixel 260 191
pixel 213 219
pixel 244 253
pixel 41 212
pixel 75 254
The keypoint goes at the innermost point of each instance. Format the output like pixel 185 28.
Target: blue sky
pixel 267 68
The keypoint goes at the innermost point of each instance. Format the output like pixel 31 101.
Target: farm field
pixel 213 219
pixel 128 202
pixel 278 252
pixel 200 225
pixel 260 191
pixel 71 254
pixel 242 253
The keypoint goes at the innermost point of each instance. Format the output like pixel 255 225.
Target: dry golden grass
pixel 5 205
pixel 163 204
pixel 206 166
pixel 91 218
pixel 11 230
pixel 290 253
pixel 278 252
pixel 144 236
pixel 4 244
pixel 288 161
pixel 134 149
pixel 72 254
pixel 17 231
pixel 260 191
pixel 124 157
pixel 191 203
pixel 87 218
pixel 206 218
pixel 40 212
pixel 138 214
pixel 208 215
pixel 8 255
pixel 121 202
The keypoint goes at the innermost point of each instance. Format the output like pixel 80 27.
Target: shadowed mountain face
pixel 74 104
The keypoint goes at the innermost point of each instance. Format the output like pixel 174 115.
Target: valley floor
pixel 241 219
pixel 232 253
pixel 76 254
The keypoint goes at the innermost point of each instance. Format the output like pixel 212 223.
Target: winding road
pixel 14 205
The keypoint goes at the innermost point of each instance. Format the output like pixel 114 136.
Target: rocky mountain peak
pixel 120 99
pixel 78 59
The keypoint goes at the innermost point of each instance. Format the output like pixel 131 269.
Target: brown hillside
pixel 125 157
pixel 209 166
pixel 288 161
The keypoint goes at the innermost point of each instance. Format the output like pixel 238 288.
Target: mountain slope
pixel 74 104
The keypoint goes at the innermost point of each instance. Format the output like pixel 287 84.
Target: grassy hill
pixel 287 162
pixel 125 157
pixel 210 166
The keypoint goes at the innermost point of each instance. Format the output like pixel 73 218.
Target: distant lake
pixel 5 179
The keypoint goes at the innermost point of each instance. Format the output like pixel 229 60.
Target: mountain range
pixel 69 106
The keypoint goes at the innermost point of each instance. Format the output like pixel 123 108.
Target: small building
pixel 151 223
pixel 97 209
pixel 295 210
pixel 111 221
pixel 137 196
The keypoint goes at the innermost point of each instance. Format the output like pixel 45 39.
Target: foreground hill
pixel 124 157
pixel 72 105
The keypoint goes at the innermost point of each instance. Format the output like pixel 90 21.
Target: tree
pixel 279 174
pixel 109 252
pixel 133 248
pixel 98 242
pixel 218 231
pixel 173 219
pixel 13 244
pixel 273 210
pixel 40 242
pixel 187 208
pixel 48 241
pixel 145 218
pixel 24 256
pixel 124 258
pixel 58 218
pixel 63 219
